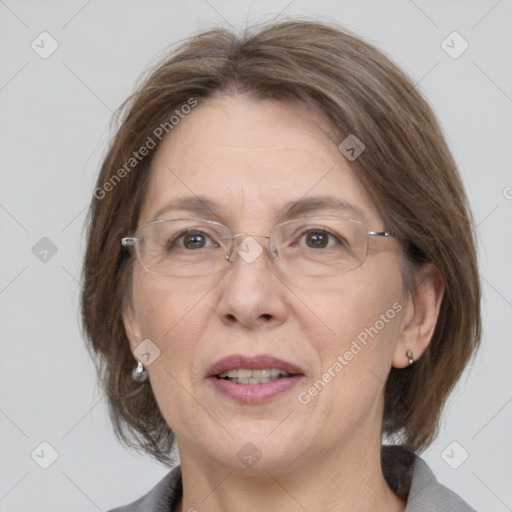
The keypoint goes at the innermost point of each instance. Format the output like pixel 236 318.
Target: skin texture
pixel 251 156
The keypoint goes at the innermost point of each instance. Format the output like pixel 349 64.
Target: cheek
pixel 359 326
pixel 172 313
pixel 345 307
pixel 357 317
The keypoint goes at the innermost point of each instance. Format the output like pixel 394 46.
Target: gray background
pixel 54 116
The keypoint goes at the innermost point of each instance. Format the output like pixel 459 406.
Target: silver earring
pixel 410 356
pixel 139 373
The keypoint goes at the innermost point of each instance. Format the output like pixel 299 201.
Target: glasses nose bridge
pixel 231 256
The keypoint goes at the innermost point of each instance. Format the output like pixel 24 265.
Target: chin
pixel 256 452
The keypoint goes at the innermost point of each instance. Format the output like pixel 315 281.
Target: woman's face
pixel 339 334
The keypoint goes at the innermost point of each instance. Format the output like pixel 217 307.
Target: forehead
pixel 252 159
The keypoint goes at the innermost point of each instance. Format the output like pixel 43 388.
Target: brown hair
pixel 406 166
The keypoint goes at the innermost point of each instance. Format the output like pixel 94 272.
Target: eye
pixel 190 240
pixel 320 239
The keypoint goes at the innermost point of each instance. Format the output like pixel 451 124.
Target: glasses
pixel 317 246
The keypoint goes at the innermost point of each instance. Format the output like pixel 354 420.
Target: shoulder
pixel 428 495
pixel 411 479
pixel 160 498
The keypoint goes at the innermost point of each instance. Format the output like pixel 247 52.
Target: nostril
pixel 266 316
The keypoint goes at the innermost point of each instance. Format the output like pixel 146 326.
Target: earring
pixel 139 373
pixel 410 356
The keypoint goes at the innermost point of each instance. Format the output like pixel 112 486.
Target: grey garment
pixel 426 494
pixel 162 498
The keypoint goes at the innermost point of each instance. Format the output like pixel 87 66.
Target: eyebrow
pixel 207 208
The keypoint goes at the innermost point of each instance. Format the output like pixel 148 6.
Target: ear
pixel 420 316
pixel 131 326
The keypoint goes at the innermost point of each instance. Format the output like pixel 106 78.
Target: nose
pixel 253 296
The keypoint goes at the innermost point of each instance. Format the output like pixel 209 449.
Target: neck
pixel 341 480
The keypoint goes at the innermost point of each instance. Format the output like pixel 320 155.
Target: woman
pixel 280 275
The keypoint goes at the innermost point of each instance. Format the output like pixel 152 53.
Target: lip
pixel 254 393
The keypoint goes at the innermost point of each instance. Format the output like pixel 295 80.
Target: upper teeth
pixel 242 373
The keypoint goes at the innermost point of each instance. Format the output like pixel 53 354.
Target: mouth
pixel 253 380
pixel 251 377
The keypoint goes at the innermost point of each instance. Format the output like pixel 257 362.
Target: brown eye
pixel 194 240
pixel 189 241
pixel 317 239
pixel 320 239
